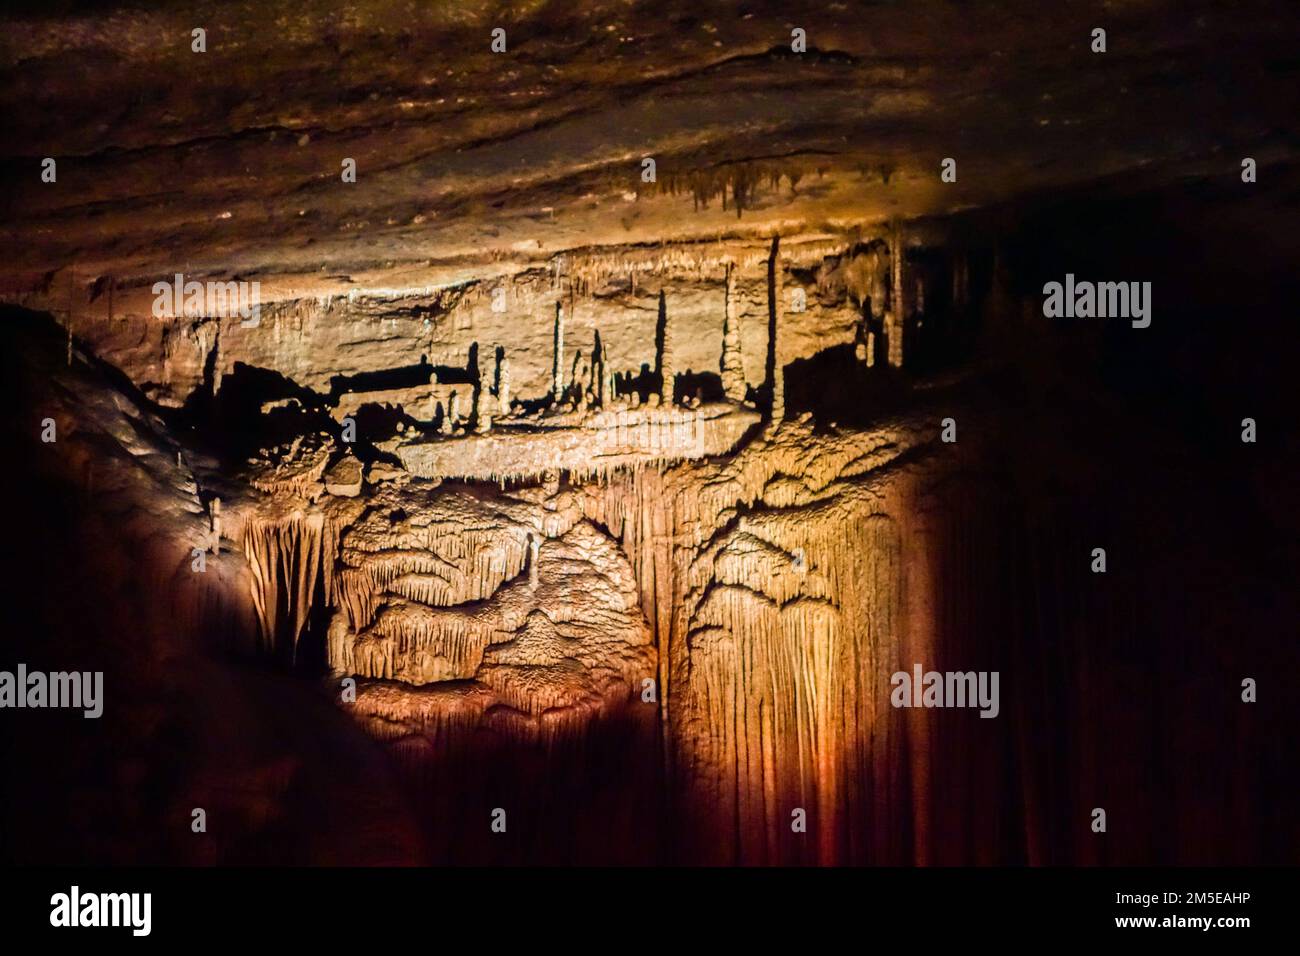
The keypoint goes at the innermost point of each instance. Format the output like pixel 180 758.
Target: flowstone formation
pixel 485 532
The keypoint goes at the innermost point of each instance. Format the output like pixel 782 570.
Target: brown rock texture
pixel 615 503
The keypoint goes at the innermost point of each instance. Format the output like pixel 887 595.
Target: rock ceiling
pixel 472 163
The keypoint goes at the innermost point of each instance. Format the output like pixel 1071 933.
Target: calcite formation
pixel 600 494
pixel 605 548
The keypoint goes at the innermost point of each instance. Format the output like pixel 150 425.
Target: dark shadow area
pixel 405 376
pixel 103 584
pixel 836 387
pixel 706 386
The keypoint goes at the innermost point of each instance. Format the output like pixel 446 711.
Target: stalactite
pixel 775 636
pixel 741 179
pixel 288 557
pixel 589 269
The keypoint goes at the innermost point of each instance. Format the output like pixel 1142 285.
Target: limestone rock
pixel 344 477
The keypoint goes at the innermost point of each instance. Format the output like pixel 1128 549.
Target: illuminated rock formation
pixel 503 383
pixel 775 363
pixel 896 317
pixel 664 367
pixel 638 580
pixel 732 364
pixel 557 369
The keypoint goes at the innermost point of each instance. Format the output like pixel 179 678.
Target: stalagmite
pixel 216 525
pixel 216 361
pixel 503 384
pixel 775 367
pixel 598 374
pixel 557 369
pixel 732 364
pixel 578 375
pixel 664 358
pixel 610 391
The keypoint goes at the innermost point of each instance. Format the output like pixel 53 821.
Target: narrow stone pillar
pixel 732 365
pixel 668 374
pixel 598 376
pixel 503 384
pixel 216 525
pixel 610 392
pixel 775 369
pixel 557 369
pixel 897 315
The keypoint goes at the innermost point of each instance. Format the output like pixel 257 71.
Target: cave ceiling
pixel 472 163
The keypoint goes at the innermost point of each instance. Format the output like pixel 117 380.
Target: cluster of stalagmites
pixel 472 401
